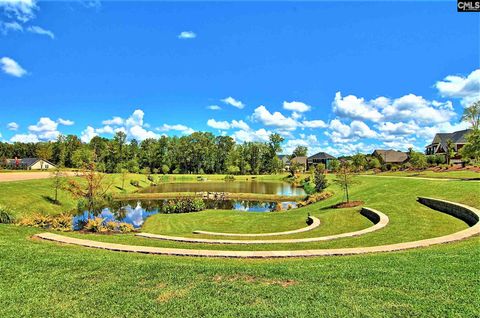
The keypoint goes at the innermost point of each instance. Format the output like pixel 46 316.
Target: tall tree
pixel 300 151
pixel 471 114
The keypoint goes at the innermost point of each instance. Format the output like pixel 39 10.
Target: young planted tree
pixel 345 178
pixel 124 174
pixel 58 181
pixel 450 151
pixel 92 192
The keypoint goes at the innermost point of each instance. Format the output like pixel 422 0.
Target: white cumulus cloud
pixel 465 88
pixel 233 102
pixel 187 35
pixel 11 67
pixel 65 122
pixel 13 126
pixel 296 106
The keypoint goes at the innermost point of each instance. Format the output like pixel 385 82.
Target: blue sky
pixel 338 77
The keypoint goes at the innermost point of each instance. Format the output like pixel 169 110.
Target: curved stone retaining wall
pixel 473 230
pixel 460 211
pixel 379 218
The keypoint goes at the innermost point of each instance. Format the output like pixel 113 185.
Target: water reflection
pixel 263 187
pixel 136 212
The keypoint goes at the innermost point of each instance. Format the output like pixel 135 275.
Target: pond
pixel 136 212
pixel 262 187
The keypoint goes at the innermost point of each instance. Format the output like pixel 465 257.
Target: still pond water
pixel 263 187
pixel 136 212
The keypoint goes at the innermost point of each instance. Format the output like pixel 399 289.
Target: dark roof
pixel 390 155
pixel 27 161
pixel 301 160
pixel 321 155
pixel 458 137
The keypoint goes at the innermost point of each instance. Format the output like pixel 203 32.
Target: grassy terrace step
pixel 225 195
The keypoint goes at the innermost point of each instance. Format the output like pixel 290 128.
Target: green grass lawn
pixel 40 279
pixel 44 279
pixel 443 174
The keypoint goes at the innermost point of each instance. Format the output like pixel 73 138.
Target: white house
pixel 29 164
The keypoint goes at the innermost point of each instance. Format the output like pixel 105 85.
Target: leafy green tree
pixel 299 151
pixel 472 147
pixel 81 157
pixel 334 165
pixel 450 151
pixel 471 114
pixel 44 150
pixel 418 160
pixel 165 169
pixel 320 179
pixel 359 162
pixel 374 163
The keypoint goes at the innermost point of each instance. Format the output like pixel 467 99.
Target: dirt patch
pixel 249 279
pixel 20 176
pixel 170 294
pixel 350 204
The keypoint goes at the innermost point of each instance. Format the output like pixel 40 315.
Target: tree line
pixel 200 152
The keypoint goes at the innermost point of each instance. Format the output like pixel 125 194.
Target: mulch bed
pixel 350 204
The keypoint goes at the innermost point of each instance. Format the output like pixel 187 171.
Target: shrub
pixel 37 220
pixel 183 205
pixel 134 183
pixel 95 225
pixel 125 227
pixel 308 187
pixel 315 198
pixel 229 178
pixel 111 226
pixel 6 215
pixel 150 178
pixel 62 222
pixel 278 206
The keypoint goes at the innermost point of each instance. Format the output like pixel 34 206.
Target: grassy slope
pixel 66 281
pixel 459 174
pixel 48 279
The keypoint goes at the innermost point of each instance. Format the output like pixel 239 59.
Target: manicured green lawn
pixel 40 279
pixel 444 174
pixel 44 279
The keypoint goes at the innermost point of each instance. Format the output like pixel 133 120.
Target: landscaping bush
pixel 278 207
pixel 95 225
pixel 125 227
pixel 62 222
pixel 150 178
pixel 229 178
pixel 315 198
pixel 135 183
pixel 6 215
pixel 183 205
pixel 308 187
pixel 37 220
